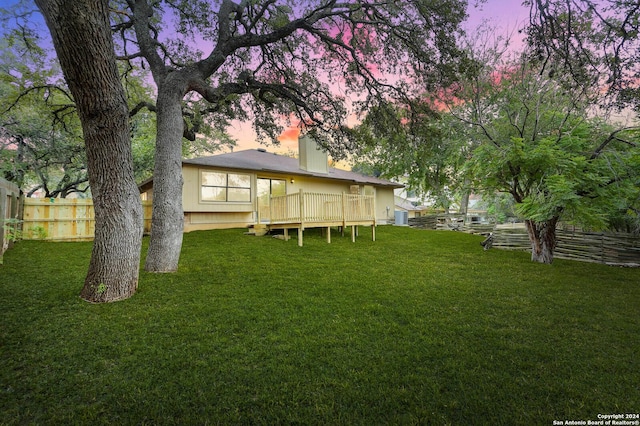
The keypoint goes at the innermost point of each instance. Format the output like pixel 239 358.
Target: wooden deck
pixel 303 210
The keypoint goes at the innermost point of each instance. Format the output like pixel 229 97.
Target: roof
pixel 405 204
pixel 261 160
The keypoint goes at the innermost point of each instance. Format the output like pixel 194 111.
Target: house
pixel 235 189
pixel 412 210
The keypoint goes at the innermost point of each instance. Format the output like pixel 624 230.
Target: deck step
pixel 258 230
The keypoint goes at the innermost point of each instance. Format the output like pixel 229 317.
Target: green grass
pixel 419 327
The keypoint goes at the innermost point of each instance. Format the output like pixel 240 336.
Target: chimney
pixel 311 157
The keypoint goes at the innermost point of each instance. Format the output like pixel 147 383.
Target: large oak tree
pixel 83 42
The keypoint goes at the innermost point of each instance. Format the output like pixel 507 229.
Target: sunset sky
pixel 507 15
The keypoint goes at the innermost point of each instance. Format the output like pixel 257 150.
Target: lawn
pixel 418 327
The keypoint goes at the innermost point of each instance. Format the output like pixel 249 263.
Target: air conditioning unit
pixel 402 218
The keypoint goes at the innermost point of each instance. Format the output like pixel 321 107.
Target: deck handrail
pixel 315 207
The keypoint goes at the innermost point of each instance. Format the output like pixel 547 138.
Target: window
pixel 369 190
pixel 231 187
pixel 267 188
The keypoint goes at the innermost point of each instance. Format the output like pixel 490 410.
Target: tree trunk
pixel 82 38
pixel 542 236
pixel 19 164
pixel 464 202
pixel 167 222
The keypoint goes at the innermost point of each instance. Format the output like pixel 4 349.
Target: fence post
pixel 15 206
pixel 14 201
pixel 3 216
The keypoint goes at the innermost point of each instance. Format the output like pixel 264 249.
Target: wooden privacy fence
pixel 450 222
pixel 62 219
pixel 611 248
pixel 9 213
pixel 320 210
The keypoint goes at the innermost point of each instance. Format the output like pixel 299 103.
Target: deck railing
pixel 312 207
pixel 359 207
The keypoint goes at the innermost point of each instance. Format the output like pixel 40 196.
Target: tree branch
pixel 35 89
pixel 136 109
pixel 613 137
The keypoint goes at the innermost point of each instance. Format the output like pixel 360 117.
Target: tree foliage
pixel 421 140
pixel 594 44
pixel 276 61
pixel 41 146
pixel 418 144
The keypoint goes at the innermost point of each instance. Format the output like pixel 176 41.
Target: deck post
pixel 300 229
pixel 353 233
pixel 257 209
pixel 344 196
pixel 329 234
pixel 373 225
pixel 301 206
pixel 344 211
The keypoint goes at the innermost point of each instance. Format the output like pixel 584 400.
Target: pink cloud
pixel 290 134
